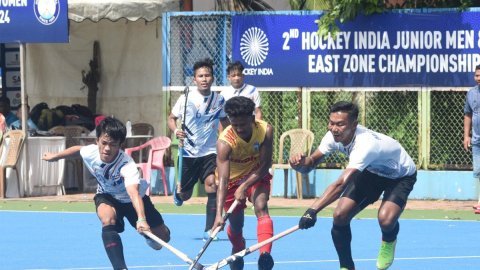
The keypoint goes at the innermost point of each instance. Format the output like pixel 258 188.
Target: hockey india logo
pixel 254 46
pixel 47 11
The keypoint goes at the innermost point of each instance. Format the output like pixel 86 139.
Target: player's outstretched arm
pixel 305 164
pixel 69 152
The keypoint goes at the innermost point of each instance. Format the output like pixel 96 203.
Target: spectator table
pixel 42 178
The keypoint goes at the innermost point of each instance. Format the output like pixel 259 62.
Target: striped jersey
pixel 202 118
pixel 247 90
pixel 114 177
pixel 245 156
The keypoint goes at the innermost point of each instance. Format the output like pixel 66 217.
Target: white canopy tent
pixel 130 37
pixel 132 10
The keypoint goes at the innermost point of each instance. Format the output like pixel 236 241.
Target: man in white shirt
pixel 120 191
pixel 377 164
pixel 202 114
pixel 240 88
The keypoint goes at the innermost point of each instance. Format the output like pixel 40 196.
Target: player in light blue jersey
pixel 202 112
pixel 377 164
pixel 471 128
pixel 120 191
pixel 240 88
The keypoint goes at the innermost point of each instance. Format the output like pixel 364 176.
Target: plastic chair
pixel 12 142
pixel 71 133
pixel 158 146
pixel 57 131
pixel 301 141
pixel 140 129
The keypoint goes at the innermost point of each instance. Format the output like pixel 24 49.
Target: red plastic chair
pixel 158 146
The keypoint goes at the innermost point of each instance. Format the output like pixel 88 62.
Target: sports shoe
pixel 206 236
pixel 176 200
pixel 153 244
pixel 344 268
pixel 238 263
pixel 386 255
pixel 265 261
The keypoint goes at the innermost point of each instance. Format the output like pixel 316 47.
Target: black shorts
pixel 367 187
pixel 154 218
pixel 194 169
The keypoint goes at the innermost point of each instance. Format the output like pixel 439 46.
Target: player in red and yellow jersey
pixel 244 156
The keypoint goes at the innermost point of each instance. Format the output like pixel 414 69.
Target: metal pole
pixel 23 107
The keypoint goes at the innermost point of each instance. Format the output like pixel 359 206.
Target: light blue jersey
pixel 202 119
pixel 472 106
pixel 247 90
pixel 114 177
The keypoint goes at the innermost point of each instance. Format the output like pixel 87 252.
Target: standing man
pixel 240 88
pixel 471 126
pixel 204 111
pixel 377 164
pixel 244 155
pixel 120 191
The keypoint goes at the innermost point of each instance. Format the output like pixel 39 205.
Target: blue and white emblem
pixel 254 46
pixel 47 11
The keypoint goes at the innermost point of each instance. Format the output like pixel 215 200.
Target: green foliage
pixel 341 11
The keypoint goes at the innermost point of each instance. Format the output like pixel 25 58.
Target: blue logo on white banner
pixel 32 21
pixel 385 50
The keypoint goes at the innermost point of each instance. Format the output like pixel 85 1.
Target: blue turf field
pixel 46 240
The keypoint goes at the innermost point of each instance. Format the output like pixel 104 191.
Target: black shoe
pixel 237 264
pixel 265 261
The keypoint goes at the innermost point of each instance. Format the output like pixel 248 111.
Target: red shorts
pixel 232 187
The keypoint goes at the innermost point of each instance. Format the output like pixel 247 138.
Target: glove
pixel 308 219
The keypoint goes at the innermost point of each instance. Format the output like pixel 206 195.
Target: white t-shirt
pixel 373 151
pixel 246 90
pixel 203 116
pixel 114 177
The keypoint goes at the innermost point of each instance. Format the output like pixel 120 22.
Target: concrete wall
pixel 438 185
pixel 434 185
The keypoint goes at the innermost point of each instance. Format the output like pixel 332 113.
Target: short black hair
pixel 203 63
pixel 235 66
pixel 348 107
pixel 239 106
pixel 113 127
pixel 477 67
pixel 4 99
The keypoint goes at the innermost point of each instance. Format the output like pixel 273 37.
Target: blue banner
pixel 385 50
pixel 33 21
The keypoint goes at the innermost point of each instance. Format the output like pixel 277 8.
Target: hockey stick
pixel 180 150
pixel 250 249
pixel 175 251
pixel 214 233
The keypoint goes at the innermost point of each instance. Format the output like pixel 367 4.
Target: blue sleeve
pixel 467 109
